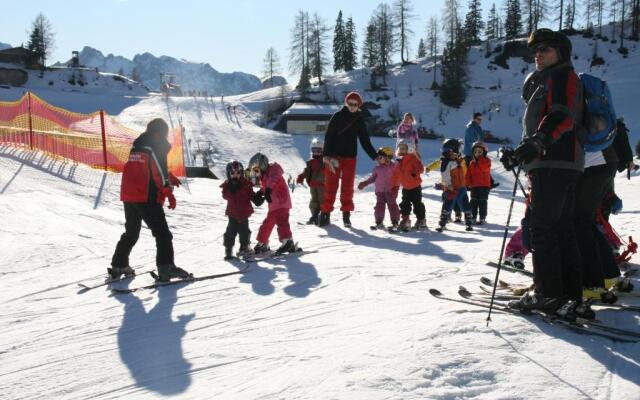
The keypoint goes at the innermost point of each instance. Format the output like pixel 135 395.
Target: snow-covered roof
pixel 311 109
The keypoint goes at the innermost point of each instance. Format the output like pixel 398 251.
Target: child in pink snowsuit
pixel 515 245
pixel 407 131
pixel 386 185
pixel 276 193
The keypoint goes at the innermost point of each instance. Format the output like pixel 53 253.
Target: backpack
pixel 599 120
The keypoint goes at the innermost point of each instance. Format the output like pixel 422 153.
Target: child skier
pixel 314 175
pixel 409 170
pixel 385 178
pixel 406 131
pixel 453 172
pixel 276 193
pixel 479 180
pixel 238 193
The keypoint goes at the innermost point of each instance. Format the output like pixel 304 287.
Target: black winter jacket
pixel 344 130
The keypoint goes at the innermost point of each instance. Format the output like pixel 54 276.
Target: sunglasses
pixel 350 104
pixel 479 119
pixel 541 49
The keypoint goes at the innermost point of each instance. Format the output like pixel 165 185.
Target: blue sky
pixel 229 35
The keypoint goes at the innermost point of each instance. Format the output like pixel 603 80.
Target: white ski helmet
pixel 411 146
pixel 317 146
pixel 259 161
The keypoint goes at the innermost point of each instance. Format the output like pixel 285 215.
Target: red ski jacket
pixel 146 171
pixel 238 201
pixel 479 172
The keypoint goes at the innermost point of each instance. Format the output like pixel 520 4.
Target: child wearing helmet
pixel 479 180
pixel 453 170
pixel 276 193
pixel 386 188
pixel 409 169
pixel 407 131
pixel 238 192
pixel 313 173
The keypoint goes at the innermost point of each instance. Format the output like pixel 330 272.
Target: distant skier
pixel 385 177
pixel 238 192
pixel 146 184
pixel 345 128
pixel 407 131
pixel 313 173
pixel 472 134
pixel 409 170
pixel 276 193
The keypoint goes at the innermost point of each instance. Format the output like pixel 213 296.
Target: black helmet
pixel 451 145
pixel 234 166
pixel 555 39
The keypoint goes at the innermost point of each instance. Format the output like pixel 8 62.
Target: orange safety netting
pixel 95 139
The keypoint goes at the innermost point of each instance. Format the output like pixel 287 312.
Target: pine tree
pixel 351 47
pixel 339 44
pixel 299 60
pixel 568 16
pixel 271 65
pixel 370 45
pixel 513 22
pixel 422 50
pixel 451 19
pixel 385 39
pixel 41 39
pixel 432 42
pixel 635 20
pixel 318 56
pixel 402 16
pixel 473 24
pixel 560 13
pixel 491 32
pixel 454 74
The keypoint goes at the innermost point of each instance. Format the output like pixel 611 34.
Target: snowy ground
pixel 353 320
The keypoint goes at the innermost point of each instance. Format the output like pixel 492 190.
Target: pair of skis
pixel 580 325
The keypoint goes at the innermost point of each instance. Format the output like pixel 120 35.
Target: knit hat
pixel 354 96
pixel 158 126
pixel 557 40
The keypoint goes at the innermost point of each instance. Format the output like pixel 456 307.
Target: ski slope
pixel 353 320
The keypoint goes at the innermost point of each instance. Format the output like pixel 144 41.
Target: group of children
pixel 394 173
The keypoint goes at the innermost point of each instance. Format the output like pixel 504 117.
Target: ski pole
pixel 524 191
pixel 504 241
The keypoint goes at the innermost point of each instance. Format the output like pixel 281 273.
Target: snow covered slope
pixel 353 320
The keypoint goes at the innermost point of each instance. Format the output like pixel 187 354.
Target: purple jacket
pixel 384 176
pixel 406 131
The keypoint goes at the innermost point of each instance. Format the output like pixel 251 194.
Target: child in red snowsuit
pixel 479 180
pixel 314 175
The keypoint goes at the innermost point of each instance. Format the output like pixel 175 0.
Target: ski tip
pixel 435 292
pixel 463 291
pixel 486 281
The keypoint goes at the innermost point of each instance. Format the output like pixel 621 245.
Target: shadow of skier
pixel 150 344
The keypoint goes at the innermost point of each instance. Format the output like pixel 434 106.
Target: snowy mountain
pixel 5 46
pixel 189 75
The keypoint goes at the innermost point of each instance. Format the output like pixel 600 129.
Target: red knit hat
pixel 354 96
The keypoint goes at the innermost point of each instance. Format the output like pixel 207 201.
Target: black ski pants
pixel 479 200
pixel 412 197
pixel 235 227
pixel 556 257
pixel 598 261
pixel 153 215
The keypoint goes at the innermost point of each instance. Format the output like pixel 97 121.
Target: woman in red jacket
pixel 479 180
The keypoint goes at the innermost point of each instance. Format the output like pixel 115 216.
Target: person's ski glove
pixel 331 163
pixel 267 195
pixel 529 150
pixel 300 179
pixel 164 193
pixel 361 185
pixel 174 181
pixel 258 198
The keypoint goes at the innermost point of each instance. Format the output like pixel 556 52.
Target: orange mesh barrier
pixel 95 139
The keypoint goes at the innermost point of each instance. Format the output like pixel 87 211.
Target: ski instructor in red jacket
pixel 146 184
pixel 345 128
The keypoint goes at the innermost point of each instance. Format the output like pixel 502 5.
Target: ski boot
pixel 261 248
pixel 571 310
pixel 166 272
pixel 116 272
pixel 599 294
pixel 378 225
pixel 534 301
pixel 288 246
pixel 346 219
pixel 314 218
pixel 468 221
pixel 405 224
pixel 245 251
pixel 324 219
pixel 421 225
pixel 515 260
pixel 228 253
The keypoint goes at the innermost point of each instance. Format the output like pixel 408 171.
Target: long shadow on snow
pixel 150 344
pixel 621 359
pixel 304 276
pixel 425 243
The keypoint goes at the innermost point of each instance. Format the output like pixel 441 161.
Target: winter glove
pixel 172 201
pixel 507 159
pixel 258 198
pixel 267 195
pixel 616 207
pixel 234 185
pixel 331 163
pixel 361 185
pixel 164 193
pixel 529 150
pixel 300 179
pixel 174 181
pixel 439 186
